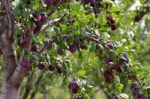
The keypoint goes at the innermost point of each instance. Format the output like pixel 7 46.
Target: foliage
pixel 98 45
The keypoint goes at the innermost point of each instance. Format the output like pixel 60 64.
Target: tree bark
pixel 13 73
pixel 10 91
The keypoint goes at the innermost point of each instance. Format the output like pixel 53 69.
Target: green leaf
pixel 26 14
pixel 146 68
pixel 40 37
pixel 36 4
pixel 115 9
pixel 119 87
pixel 81 73
pixel 16 11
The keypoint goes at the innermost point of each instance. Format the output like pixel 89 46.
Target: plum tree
pixel 85 44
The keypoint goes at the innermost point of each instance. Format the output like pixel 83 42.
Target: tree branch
pixel 20 71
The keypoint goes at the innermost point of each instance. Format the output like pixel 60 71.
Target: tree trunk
pixel 12 70
pixel 10 91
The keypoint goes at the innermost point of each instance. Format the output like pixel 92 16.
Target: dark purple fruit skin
pixel 92 3
pixel 113 27
pixel 59 70
pixel 137 95
pixel 53 2
pixel 43 17
pixel 25 63
pixel 24 42
pixel 40 19
pixel 83 46
pixel 117 68
pixel 56 2
pixel 133 85
pixel 116 97
pixel 72 48
pixel 26 39
pixel 41 65
pixel 79 97
pixel 60 52
pixel 22 45
pixel 107 60
pixel 27 29
pixel 34 48
pixel 108 76
pixel 73 86
pixel 110 20
pixel 111 23
pixel 77 42
pixel 86 1
pixel 140 96
pixel 38 26
pixel 135 92
pixel 109 46
pixel 51 68
pixel 139 16
pixel 48 2
pixel 131 77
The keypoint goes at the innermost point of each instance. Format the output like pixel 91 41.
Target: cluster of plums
pixel 114 68
pixel 25 41
pixel 93 3
pixel 39 21
pixel 77 44
pixel 41 65
pixel 74 87
pixel 111 23
pixel 109 73
pixel 136 92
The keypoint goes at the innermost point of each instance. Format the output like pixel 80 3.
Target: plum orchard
pixel 71 32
